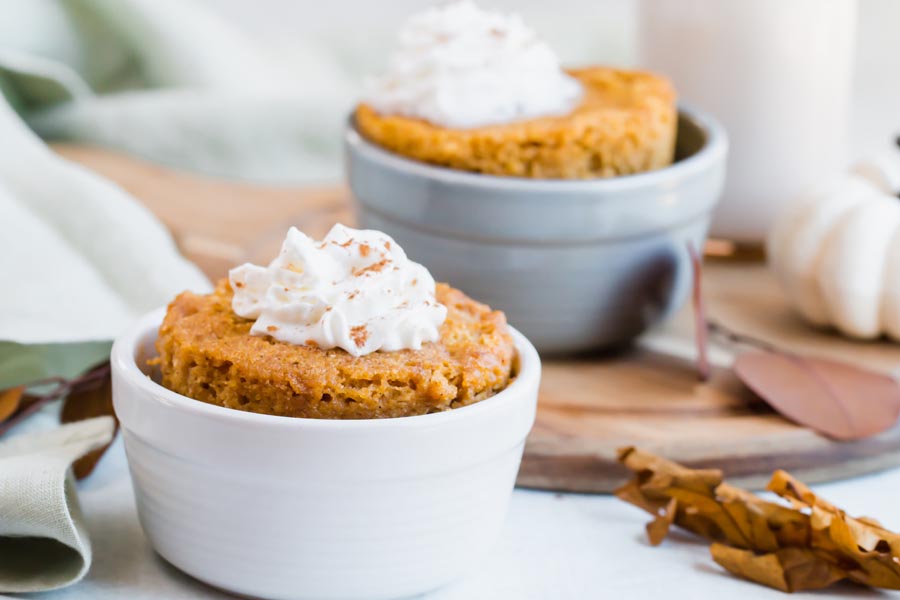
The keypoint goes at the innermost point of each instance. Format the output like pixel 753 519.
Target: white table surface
pixel 553 547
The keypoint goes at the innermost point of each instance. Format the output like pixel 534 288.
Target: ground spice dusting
pixel 359 334
pixel 364 250
pixel 373 268
pixel 271 328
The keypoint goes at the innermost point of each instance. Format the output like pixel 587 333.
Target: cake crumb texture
pixel 206 352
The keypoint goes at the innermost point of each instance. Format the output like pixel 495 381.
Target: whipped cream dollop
pixel 459 66
pixel 355 290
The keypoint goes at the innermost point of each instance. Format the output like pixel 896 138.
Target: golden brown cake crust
pixel 206 352
pixel 626 123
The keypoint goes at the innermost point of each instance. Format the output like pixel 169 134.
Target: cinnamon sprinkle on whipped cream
pixel 340 293
pixel 460 66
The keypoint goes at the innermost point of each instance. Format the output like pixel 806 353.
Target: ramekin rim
pixel 124 363
pixel 715 148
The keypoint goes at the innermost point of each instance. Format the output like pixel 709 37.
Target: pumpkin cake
pixel 206 352
pixel 625 123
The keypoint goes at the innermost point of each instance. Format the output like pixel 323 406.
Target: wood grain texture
pixel 216 223
pixel 588 406
pixel 591 407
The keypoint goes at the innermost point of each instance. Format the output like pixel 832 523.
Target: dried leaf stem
pixel 39 393
pixel 701 326
pixel 735 337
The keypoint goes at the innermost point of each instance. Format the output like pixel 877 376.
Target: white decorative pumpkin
pixel 836 251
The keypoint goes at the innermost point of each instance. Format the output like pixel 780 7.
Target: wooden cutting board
pixel 588 406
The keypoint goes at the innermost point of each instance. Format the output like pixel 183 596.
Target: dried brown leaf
pixel 787 486
pixel 807 545
pixel 658 528
pixel 706 506
pixel 836 399
pixel 10 400
pixel 787 569
pixel 870 521
pixel 751 517
pixel 86 402
pixel 761 568
pixel 631 493
pixel 862 542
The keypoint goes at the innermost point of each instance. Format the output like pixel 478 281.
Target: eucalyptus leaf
pixel 24 363
pixel 835 398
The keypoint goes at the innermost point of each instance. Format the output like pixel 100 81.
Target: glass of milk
pixel 778 74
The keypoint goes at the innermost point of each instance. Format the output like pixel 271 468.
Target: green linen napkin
pixel 43 541
pixel 173 82
pixel 81 260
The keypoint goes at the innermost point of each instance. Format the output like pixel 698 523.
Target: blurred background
pixel 358 36
pixel 324 50
pixel 361 33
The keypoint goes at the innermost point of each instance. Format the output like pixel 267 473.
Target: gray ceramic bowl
pixel 576 265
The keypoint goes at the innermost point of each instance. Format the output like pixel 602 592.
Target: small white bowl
pixel 280 507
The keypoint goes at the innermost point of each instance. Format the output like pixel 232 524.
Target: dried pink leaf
pixel 834 398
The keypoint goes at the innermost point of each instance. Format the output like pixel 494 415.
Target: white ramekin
pixel 280 507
